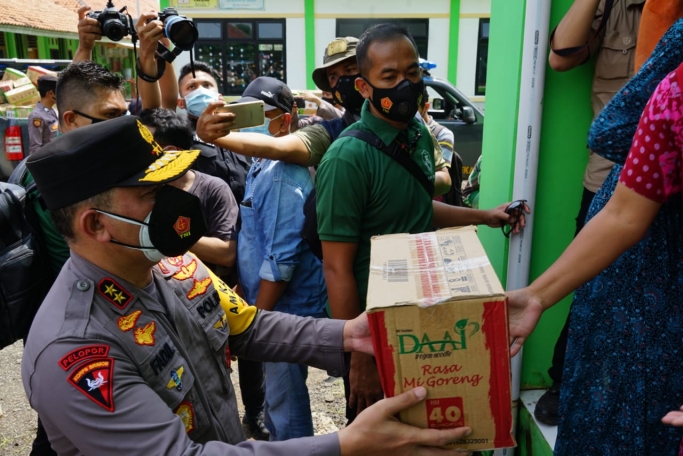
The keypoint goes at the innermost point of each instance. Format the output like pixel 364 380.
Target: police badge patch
pixel 94 380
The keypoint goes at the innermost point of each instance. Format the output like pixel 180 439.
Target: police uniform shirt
pixel 115 369
pixel 43 124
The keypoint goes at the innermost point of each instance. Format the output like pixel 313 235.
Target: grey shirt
pixel 113 370
pixel 43 124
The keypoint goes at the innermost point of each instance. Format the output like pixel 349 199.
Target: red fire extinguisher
pixel 14 149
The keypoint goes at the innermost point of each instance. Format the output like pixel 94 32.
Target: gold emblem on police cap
pixel 149 138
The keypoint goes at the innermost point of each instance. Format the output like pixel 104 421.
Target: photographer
pixel 150 31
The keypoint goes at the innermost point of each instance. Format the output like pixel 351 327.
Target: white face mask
pixel 146 245
pixel 263 129
pixel 197 100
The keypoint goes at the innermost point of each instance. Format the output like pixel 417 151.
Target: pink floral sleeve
pixel 653 166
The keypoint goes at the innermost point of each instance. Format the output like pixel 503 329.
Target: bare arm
pixel 168 85
pixel 214 128
pixel 616 228
pixel 88 32
pixel 573 31
pixel 342 290
pixel 269 293
pixel 149 34
pixel 442 182
pixel 216 251
pixel 290 148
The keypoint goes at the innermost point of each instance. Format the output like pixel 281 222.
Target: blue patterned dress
pixel 624 363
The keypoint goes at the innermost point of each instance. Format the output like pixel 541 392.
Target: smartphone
pixel 248 114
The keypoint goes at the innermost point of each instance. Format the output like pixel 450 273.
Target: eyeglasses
pixel 515 210
pixel 95 120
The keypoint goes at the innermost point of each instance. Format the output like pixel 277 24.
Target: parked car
pixel 452 109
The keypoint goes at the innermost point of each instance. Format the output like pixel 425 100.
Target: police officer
pixel 130 351
pixel 43 122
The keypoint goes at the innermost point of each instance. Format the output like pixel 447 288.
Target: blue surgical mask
pixel 263 129
pixel 197 100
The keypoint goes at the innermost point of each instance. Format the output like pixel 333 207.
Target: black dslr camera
pixel 114 23
pixel 179 29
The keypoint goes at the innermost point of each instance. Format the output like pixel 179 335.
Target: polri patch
pixel 82 353
pixel 94 379
pixel 145 335
pixel 127 322
pixel 37 122
pixel 186 414
pixel 114 293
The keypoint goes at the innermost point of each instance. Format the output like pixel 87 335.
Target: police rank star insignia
pixel 114 293
pixel 94 379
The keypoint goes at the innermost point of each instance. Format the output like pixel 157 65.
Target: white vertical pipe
pixel 532 83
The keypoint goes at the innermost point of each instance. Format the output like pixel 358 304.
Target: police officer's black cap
pixel 273 92
pixel 89 160
pixel 47 82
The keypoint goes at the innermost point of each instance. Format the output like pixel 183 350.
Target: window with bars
pixel 32 46
pixel 419 28
pixel 482 57
pixel 241 50
pixel 3 46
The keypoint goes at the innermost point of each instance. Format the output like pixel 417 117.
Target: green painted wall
pixel 454 36
pixel 505 55
pixel 10 45
pixel 164 4
pixel 530 441
pixel 309 21
pixel 566 119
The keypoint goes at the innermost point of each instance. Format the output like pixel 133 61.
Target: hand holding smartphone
pixel 249 114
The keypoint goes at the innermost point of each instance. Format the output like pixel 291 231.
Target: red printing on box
pixel 383 352
pixel 495 327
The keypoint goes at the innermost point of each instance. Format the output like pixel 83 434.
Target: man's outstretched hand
pixel 376 431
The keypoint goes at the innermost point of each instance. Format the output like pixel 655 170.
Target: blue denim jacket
pixel 270 245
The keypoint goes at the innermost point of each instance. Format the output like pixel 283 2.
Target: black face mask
pixel 347 95
pixel 175 224
pixel 401 102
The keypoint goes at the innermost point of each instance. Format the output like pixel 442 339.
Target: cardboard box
pixel 11 74
pixel 5 86
pixel 22 96
pixel 21 82
pixel 438 317
pixel 35 72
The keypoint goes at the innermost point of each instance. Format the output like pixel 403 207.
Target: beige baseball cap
pixel 339 49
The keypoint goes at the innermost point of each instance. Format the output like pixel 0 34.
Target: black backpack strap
pixel 397 153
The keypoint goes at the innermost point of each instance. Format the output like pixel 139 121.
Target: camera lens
pixel 181 31
pixel 114 30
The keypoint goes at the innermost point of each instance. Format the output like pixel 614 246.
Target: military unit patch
pixel 186 272
pixel 94 379
pixel 145 335
pixel 199 288
pixel 127 322
pixel 186 414
pixel 81 353
pixel 114 293
pixel 176 379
